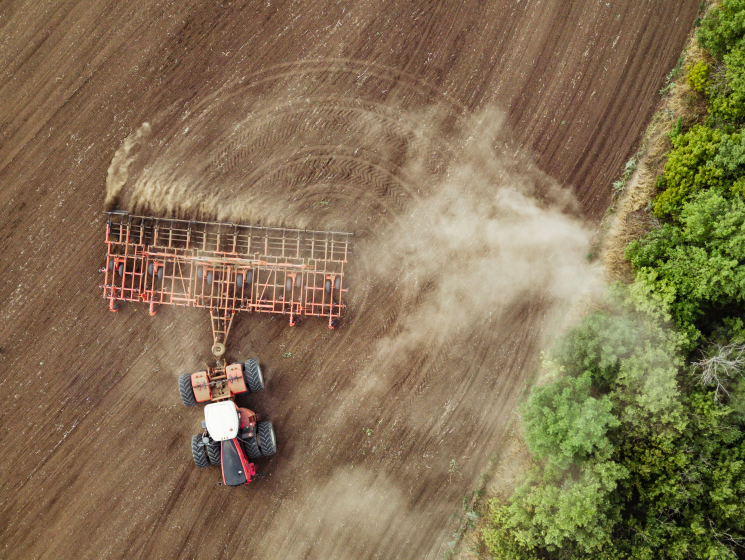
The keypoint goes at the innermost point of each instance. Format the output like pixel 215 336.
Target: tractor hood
pixel 222 420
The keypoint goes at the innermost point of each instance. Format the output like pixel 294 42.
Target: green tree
pixel 687 169
pixel 697 264
pixel 727 91
pixel 564 424
pixel 684 490
pixel 560 513
pixel 723 27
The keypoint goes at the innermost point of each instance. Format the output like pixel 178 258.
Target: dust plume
pixel 349 512
pixel 118 171
pixel 493 231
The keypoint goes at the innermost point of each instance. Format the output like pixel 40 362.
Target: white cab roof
pixel 222 420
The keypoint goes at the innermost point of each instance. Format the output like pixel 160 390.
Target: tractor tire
pixel 214 452
pixel 249 277
pixel 267 439
pixel 239 280
pixel 149 269
pixel 337 283
pixel 251 445
pixel 200 273
pixel 160 273
pixel 209 278
pixel 185 390
pixel 120 270
pixel 197 452
pixel 327 286
pixel 252 375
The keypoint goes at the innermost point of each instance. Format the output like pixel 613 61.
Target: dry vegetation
pixel 630 215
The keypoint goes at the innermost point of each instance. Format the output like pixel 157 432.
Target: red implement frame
pixel 225 268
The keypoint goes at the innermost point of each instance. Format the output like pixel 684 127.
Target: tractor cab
pixel 222 420
pixel 232 436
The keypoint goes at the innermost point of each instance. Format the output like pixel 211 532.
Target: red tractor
pixel 231 435
pixel 225 268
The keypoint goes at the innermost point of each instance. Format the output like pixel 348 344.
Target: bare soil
pixel 307 114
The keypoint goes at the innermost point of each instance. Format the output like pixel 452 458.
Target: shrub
pixel 564 424
pixel 698 76
pixel 723 27
pixel 687 169
pixel 697 264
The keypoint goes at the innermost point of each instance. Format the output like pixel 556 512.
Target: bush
pixel 697 264
pixel 687 169
pixel 698 76
pixel 564 424
pixel 723 27
pixel 669 487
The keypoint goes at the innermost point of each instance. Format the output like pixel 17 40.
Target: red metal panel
pixel 248 418
pixel 201 385
pixel 234 373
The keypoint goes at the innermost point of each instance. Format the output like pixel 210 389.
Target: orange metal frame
pixel 225 268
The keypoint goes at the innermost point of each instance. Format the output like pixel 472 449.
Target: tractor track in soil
pixel 264 110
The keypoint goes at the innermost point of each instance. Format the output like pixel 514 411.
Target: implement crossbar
pixel 225 268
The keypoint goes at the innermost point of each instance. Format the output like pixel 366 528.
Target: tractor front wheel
pixel 267 439
pixel 251 445
pixel 197 452
pixel 252 375
pixel 214 452
pixel 185 390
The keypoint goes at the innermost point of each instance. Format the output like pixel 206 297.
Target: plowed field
pixel 470 146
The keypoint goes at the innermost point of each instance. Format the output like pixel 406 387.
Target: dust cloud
pixel 462 224
pixel 494 231
pixel 345 516
pixel 118 171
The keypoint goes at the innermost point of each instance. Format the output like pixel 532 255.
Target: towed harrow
pixel 225 268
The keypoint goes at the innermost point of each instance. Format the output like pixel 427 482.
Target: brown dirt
pixel 264 111
pixel 632 216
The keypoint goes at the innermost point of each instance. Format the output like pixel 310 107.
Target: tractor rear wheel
pixel 267 439
pixel 251 445
pixel 252 375
pixel 214 452
pixel 197 452
pixel 185 390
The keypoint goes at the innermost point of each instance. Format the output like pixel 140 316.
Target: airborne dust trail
pixel 484 230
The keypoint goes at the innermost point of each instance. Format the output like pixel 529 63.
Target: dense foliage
pixel 649 466
pixel 696 264
pixel 638 434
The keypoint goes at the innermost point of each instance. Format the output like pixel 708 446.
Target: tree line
pixel 638 436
